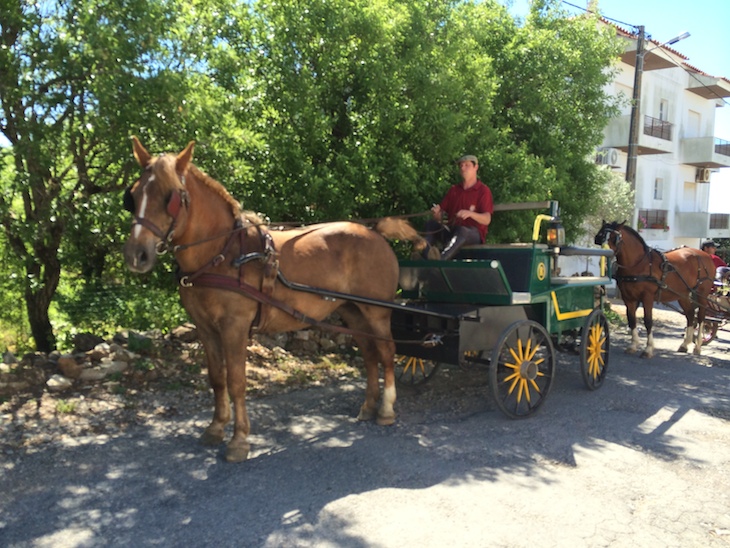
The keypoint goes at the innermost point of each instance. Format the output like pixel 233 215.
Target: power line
pixel 691 73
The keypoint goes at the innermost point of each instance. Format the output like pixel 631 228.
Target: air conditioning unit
pixel 607 157
pixel 703 175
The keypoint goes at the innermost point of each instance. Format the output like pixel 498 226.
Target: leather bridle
pixel 178 200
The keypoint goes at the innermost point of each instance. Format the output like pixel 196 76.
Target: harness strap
pixel 218 281
pixel 268 279
pixel 186 280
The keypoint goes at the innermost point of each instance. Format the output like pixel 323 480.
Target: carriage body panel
pixel 483 291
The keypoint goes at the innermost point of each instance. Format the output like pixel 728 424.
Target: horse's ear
pixel 140 153
pixel 183 159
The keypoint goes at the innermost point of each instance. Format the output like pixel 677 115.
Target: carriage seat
pixel 516 260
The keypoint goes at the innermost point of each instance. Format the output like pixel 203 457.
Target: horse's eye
pixel 128 200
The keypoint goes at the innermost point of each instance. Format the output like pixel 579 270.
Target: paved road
pixel 644 461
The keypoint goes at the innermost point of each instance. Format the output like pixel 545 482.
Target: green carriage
pixel 505 307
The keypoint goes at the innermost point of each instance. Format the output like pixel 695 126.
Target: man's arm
pixel 482 218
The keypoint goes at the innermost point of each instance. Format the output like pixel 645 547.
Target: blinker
pixel 128 200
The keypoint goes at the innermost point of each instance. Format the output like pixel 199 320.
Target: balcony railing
pixel 657 128
pixel 722 147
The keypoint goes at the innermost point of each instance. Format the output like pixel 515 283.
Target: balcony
pixel 654 127
pixel 691 224
pixel 655 136
pixel 709 87
pixel 705 152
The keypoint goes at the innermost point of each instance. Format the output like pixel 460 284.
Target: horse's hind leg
pixel 374 350
pixel 699 316
pixel 386 350
pixel 689 331
pixel 369 408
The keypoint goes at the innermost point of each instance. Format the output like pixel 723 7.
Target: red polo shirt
pixel 477 198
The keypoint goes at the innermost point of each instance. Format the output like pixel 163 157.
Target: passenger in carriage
pixel 468 207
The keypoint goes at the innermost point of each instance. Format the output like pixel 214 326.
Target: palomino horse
pixel 646 276
pixel 236 276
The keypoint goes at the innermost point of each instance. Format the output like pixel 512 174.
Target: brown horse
pixel 646 276
pixel 236 276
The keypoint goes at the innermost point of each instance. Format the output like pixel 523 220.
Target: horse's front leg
pixel 631 316
pixel 648 304
pixel 235 352
pixel 215 432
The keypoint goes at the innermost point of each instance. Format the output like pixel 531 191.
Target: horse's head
pixel 610 234
pixel 158 200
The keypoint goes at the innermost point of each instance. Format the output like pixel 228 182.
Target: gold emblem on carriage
pixel 541 271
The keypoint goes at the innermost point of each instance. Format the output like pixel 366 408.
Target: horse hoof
pixel 697 352
pixel 365 414
pixel 647 355
pixel 682 349
pixel 211 438
pixel 237 452
pixel 385 421
pixel 630 350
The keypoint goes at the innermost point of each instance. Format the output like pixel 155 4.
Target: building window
pixel 658 188
pixel 719 220
pixel 653 218
pixel 664 110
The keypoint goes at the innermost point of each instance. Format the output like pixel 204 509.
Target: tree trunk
pixel 40 324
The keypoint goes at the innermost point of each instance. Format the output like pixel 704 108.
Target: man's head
pixel 468 166
pixel 709 246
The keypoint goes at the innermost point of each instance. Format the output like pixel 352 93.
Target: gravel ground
pixel 179 389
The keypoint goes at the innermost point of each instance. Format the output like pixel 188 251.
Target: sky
pixel 708 49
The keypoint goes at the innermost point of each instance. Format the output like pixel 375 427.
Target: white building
pixel 676 148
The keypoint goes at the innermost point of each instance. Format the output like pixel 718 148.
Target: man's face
pixel 467 169
pixel 711 249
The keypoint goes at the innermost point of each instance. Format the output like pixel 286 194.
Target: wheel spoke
pixel 522 368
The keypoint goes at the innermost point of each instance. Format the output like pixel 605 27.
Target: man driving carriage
pixel 468 208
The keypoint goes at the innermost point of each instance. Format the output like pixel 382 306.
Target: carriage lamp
pixel 555 233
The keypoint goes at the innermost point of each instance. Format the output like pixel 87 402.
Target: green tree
pixel 552 109
pixel 616 203
pixel 76 78
pixel 344 108
pixel 362 105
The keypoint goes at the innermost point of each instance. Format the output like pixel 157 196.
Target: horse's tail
pixel 400 229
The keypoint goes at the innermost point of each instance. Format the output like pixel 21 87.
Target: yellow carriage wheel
pixel 413 371
pixel 522 368
pixel 594 349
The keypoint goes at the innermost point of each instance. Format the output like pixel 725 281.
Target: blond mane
pixel 216 187
pixel 166 165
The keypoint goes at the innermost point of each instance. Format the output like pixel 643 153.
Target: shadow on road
pixel 155 485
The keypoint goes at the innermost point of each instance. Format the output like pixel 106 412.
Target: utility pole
pixel 635 112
